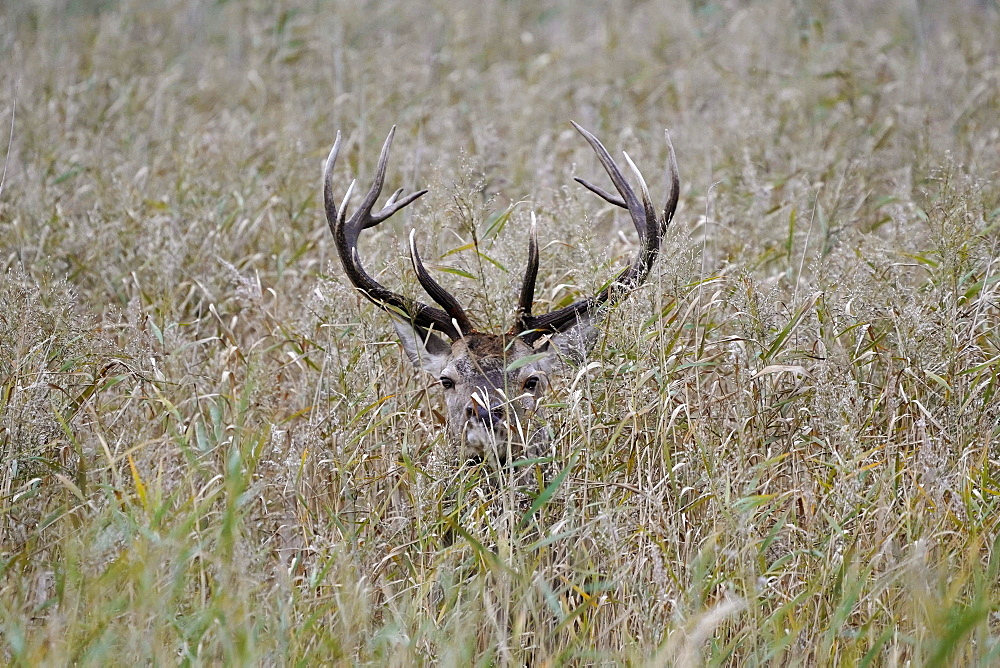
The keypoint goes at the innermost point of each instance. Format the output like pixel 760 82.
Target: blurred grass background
pixel 784 448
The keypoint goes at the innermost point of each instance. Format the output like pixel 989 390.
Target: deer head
pixel 493 383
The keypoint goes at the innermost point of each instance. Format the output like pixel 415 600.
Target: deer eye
pixel 447 383
pixel 531 384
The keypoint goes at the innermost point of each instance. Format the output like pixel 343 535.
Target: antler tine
pixel 649 226
pixel 346 233
pixel 527 297
pixel 438 293
pixel 600 192
pixel 628 198
pixel 675 181
pixel 650 237
pixel 333 214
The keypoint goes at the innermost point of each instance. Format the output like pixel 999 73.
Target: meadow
pixel 783 450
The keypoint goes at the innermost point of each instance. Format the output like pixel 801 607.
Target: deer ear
pixel 574 343
pixel 426 350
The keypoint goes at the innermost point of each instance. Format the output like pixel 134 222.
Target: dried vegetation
pixel 783 449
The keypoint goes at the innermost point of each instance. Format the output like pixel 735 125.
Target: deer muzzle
pixel 490 413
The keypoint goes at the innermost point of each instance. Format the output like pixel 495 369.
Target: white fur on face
pixel 478 440
pixel 503 441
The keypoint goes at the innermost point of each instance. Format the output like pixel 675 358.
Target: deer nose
pixel 490 417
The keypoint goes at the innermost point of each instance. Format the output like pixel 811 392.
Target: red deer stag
pixel 492 393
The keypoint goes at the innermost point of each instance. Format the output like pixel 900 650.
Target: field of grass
pixel 784 449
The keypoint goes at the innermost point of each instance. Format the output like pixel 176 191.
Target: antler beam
pixel 649 226
pixel 452 321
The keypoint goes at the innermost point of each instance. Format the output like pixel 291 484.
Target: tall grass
pixel 782 450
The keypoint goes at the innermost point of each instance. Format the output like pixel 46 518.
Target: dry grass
pixel 784 450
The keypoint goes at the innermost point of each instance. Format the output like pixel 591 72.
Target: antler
pixel 649 226
pixel 452 321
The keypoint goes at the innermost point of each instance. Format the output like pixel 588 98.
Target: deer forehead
pixel 488 356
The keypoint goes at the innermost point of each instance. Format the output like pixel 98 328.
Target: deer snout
pixel 489 416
